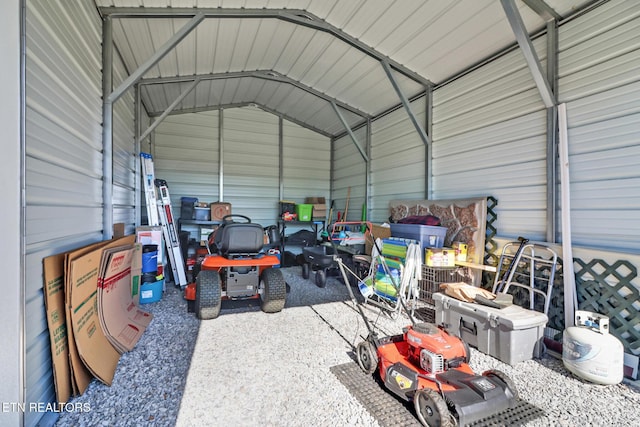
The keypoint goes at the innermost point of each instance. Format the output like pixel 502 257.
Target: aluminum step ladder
pixel 157 195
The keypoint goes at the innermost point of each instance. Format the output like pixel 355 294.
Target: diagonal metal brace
pixel 155 58
pixel 169 109
pixel 349 131
pixel 405 103
pixel 519 29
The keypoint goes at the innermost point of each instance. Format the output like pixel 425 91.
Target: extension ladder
pixel 163 215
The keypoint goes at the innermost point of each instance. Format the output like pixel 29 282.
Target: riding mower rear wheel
pixel 273 290
pixel 208 295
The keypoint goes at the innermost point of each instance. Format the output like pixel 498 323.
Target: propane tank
pixel 590 352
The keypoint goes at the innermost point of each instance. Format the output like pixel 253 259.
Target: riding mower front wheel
pixel 273 290
pixel 208 295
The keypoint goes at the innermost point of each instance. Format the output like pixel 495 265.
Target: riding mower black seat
pixel 238 239
pixel 237 268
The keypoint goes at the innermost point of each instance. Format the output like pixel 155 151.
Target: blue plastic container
pixel 150 259
pixel 429 236
pixel 151 292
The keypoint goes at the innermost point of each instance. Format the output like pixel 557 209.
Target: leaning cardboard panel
pixel 124 321
pixel 80 375
pixel 95 350
pixel 53 271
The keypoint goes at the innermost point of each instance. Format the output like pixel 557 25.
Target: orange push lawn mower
pixel 236 268
pixel 429 367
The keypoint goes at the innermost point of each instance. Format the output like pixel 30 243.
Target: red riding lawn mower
pixel 429 367
pixel 236 268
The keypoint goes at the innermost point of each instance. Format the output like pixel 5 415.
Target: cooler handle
pixel 468 327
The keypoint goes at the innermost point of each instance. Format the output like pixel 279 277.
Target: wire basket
pixel 432 277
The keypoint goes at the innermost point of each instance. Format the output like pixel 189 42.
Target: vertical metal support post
pixel 14 305
pixel 428 148
pixel 137 197
pixel 107 129
pixel 280 159
pixel 568 275
pixel 552 132
pixel 367 184
pixel 332 157
pixel 221 155
pixel 405 103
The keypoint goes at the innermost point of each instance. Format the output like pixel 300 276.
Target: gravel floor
pixel 248 368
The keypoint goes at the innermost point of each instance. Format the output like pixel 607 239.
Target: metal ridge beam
pixel 259 74
pixel 294 16
pixel 249 104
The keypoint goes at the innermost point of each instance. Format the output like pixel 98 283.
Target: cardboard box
pixel 319 211
pixel 219 210
pixel 123 321
pixel 315 200
pixel 97 353
pixel 118 230
pixel 511 334
pixel 152 235
pixel 53 272
pixel 80 375
pixel 440 257
pixel 461 250
pixel 377 232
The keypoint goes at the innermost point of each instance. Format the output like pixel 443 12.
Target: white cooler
pixel 511 334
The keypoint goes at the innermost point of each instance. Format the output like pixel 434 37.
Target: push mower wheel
pixel 511 387
pixel 467 352
pixel 208 295
pixel 367 357
pixel 431 409
pixel 321 278
pixel 273 290
pixel 305 270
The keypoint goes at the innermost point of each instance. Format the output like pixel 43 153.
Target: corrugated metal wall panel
pixel 489 139
pixel 397 160
pixel 185 154
pixel 599 58
pixel 306 163
pixel 349 175
pixel 251 163
pixel 63 160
